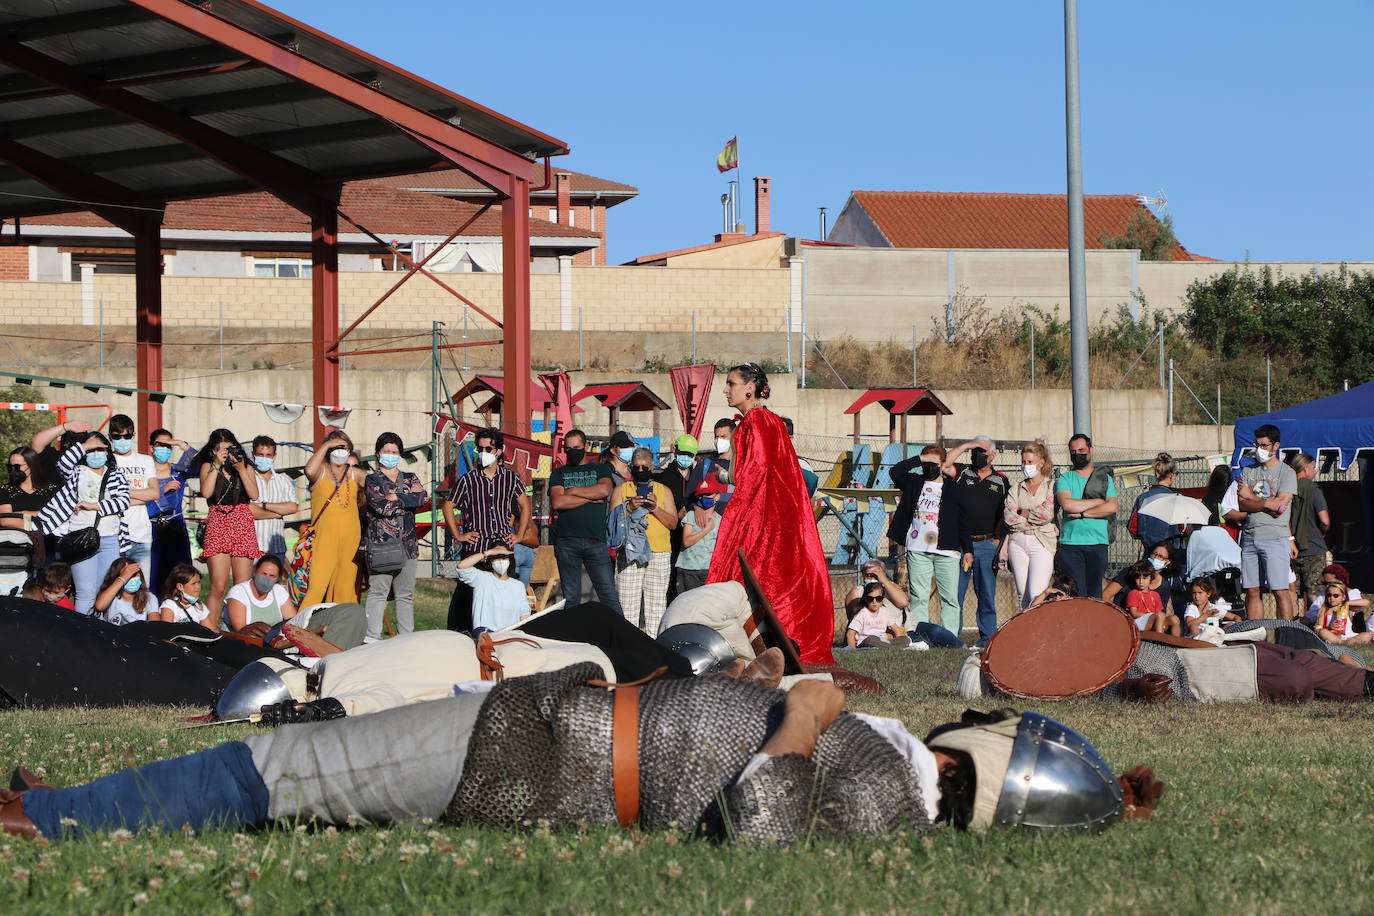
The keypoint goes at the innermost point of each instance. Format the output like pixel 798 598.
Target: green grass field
pixel 1268 810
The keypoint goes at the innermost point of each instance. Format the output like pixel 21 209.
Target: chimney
pixel 761 205
pixel 562 183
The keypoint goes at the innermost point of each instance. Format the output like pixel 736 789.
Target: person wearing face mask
pixel 928 522
pixel 579 492
pixel 699 528
pixel 896 602
pixel 391 498
pixel 335 494
pixel 260 602
pixel 123 596
pixel 276 498
pixel 26 491
pixel 1087 502
pixel 1033 536
pixel 1266 492
pixel 498 598
pixel 141 473
pixel 229 545
pixel 620 450
pixel 482 499
pixel 53 584
pixel 1165 577
pixel 93 494
pixel 984 491
pixel 644 563
pixel 704 472
pixel 181 598
pixel 673 475
pixel 171 540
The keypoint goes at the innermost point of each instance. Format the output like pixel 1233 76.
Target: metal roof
pixel 82 82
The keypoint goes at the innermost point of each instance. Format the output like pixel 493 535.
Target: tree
pixel 18 426
pixel 1154 237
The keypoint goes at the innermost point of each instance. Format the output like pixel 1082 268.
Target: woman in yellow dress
pixel 334 492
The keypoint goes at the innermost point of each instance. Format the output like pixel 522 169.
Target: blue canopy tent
pixel 1340 428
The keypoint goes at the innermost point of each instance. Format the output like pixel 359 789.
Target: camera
pixel 236 452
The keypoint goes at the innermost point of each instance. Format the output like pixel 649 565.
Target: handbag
pixel 84 543
pixel 386 557
pixel 298 577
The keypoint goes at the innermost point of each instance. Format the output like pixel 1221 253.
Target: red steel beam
pixel 515 303
pixel 148 324
pixel 82 186
pixel 324 305
pixel 447 346
pixel 201 21
pixel 296 186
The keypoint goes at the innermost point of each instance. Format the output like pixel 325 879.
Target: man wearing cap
pixel 673 475
pixel 562 749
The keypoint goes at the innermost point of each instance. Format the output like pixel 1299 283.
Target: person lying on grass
pixel 712 756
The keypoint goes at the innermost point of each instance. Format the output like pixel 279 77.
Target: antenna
pixel 1158 205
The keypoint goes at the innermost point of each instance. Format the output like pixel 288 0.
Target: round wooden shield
pixel 1061 649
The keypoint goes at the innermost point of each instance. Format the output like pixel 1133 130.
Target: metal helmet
pixel 702 646
pixel 255 686
pixel 1055 778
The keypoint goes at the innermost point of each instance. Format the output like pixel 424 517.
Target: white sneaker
pixel 919 645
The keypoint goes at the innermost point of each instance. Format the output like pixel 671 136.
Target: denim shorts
pixel 1264 564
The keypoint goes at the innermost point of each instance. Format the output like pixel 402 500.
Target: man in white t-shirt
pixel 141 472
pixel 276 499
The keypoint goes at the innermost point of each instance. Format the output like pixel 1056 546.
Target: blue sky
pixel 1253 117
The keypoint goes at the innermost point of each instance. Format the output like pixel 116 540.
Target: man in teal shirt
pixel 1087 500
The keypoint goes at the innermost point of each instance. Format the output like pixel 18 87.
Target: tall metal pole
pixel 434 441
pixel 1078 296
pixel 1161 356
pixel 1171 392
pixel 1032 352
pixel 1268 380
pixel 913 356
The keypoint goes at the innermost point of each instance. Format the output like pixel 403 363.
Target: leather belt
pixel 490 666
pixel 751 630
pixel 625 754
pixel 981 537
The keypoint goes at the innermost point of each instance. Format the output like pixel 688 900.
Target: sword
pixel 254 719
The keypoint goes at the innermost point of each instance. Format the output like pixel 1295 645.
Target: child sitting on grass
pixel 874 626
pixel 53 584
pixel 1206 605
pixel 123 596
pixel 1144 604
pixel 1334 623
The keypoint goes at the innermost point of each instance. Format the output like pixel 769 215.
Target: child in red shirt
pixel 1144 604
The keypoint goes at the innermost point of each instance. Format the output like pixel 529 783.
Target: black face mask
pixel 641 475
pixel 930 470
pixel 575 455
pixel 979 459
pixel 18 476
pixel 1079 460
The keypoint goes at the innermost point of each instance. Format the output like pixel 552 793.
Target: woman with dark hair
pixel 1218 484
pixel 93 496
pixel 26 491
pixel 770 519
pixel 335 490
pixel 228 486
pixel 392 497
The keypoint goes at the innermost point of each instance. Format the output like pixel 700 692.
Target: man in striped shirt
pixel 483 498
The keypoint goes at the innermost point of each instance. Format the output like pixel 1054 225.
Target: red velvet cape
pixel 770 516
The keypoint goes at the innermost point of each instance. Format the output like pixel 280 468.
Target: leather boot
pixel 766 669
pixel 735 669
pixel 24 779
pixel 13 820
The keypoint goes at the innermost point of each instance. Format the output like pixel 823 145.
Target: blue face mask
pixel 706 502
pixel 122 446
pixel 626 454
pixel 162 454
pixel 133 585
pixel 1157 563
pixel 388 461
pixel 683 461
pixel 97 459
pixel 263 463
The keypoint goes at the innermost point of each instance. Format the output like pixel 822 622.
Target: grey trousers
pixel 378 588
pixel 392 766
pixel 342 624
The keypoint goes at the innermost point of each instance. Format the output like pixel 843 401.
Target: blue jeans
pixel 142 553
pixel 524 563
pixel 90 572
pixel 1086 564
pixel 936 635
pixel 574 555
pixel 983 575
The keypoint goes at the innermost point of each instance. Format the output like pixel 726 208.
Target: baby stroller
pixel 1211 552
pixel 16 561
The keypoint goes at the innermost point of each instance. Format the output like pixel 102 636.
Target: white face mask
pixel 722 446
pixel 1262 455
pixel 1030 470
pixel 339 456
pixel 486 459
pixel 500 566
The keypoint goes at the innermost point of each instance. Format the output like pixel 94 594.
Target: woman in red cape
pixel 770 517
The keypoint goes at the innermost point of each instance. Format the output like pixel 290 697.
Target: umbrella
pixel 1176 509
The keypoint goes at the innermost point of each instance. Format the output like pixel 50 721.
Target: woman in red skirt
pixel 230 545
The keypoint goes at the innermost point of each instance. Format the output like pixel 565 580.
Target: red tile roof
pixel 937 219
pixel 455 180
pixel 386 211
pixel 724 243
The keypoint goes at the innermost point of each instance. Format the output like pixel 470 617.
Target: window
pixel 281 267
pixel 553 215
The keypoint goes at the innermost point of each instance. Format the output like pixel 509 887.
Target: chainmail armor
pixel 1155 658
pixel 541 752
pixel 1296 635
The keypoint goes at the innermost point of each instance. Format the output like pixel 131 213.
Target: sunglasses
pixel 869 599
pixel 486 448
pixel 1051 595
pixel 121 435
pixel 1335 594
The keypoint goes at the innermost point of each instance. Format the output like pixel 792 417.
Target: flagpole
pixel 739 183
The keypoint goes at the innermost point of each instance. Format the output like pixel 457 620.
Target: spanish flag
pixel 729 156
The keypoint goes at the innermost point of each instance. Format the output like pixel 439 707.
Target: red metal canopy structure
pixel 119 106
pixel 903 403
pixel 495 386
pixel 618 396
